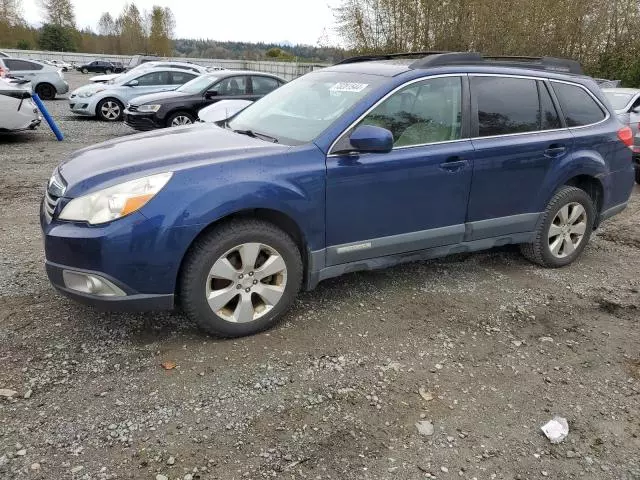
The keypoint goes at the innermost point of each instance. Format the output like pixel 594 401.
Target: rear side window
pixel 264 85
pixel 21 65
pixel 179 78
pixel 506 105
pixel 578 107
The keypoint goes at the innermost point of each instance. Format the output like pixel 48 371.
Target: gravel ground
pixel 485 347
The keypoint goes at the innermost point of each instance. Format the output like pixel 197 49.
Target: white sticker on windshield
pixel 348 87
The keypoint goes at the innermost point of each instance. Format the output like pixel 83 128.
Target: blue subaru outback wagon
pixel 363 165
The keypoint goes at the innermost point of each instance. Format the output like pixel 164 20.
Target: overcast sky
pixel 296 21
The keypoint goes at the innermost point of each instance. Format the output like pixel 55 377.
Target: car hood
pixel 159 97
pixel 174 149
pixel 104 78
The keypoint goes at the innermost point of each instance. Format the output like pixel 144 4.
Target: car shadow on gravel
pixel 18 137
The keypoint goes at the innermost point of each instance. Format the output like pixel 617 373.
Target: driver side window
pixel 424 112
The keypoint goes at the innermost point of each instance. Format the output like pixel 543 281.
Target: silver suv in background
pixel 626 103
pixel 47 81
pixel 189 67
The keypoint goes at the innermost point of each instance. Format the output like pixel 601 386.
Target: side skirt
pixel 317 276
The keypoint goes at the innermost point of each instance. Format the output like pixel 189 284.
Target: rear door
pixel 152 82
pixel 518 136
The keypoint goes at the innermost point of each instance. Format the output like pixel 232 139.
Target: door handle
pixel 555 150
pixel 453 164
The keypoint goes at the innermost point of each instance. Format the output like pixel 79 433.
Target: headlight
pixel 114 202
pixel 149 108
pixel 89 93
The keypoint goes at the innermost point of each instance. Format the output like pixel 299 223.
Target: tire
pixel 46 91
pixel 107 71
pixel 638 175
pixel 109 110
pixel 180 118
pixel 221 247
pixel 85 70
pixel 554 251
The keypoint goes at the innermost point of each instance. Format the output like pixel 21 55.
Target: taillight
pixel 625 134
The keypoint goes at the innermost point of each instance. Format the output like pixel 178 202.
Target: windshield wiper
pixel 254 134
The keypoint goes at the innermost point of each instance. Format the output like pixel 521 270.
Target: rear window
pixel 579 108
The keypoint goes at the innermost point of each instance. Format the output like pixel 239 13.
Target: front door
pixel 518 138
pixel 414 197
pixel 229 88
pixel 153 82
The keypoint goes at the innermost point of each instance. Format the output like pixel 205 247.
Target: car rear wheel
pixel 109 110
pixel 180 118
pixel 240 278
pixel 46 91
pixel 564 230
pixel 638 175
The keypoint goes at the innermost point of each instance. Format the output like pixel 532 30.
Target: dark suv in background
pixel 98 66
pixel 373 162
pixel 181 106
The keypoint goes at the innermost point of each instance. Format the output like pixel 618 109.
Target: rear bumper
pixel 129 303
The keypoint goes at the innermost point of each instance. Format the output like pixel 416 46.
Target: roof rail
pixel 537 63
pixel 387 56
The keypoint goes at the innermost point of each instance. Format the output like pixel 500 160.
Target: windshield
pixel 299 111
pixel 197 85
pixel 618 100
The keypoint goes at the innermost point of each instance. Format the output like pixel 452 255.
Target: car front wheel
pixel 180 118
pixel 565 229
pixel 85 70
pixel 240 278
pixel 109 110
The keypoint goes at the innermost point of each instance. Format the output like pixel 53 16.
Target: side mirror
pixel 367 138
pixel 211 93
pixel 133 83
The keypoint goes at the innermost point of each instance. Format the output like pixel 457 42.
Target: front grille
pixel 50 203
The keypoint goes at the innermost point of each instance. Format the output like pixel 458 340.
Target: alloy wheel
pixel 180 120
pixel 567 230
pixel 246 282
pixel 110 110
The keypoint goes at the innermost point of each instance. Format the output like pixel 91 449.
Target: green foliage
pixel 57 38
pixel 603 35
pixel 23 45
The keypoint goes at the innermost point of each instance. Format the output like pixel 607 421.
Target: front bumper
pixel 139 256
pixel 141 121
pixel 132 302
pixel 62 87
pixel 82 106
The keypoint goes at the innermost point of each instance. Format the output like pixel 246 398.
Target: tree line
pixel 133 31
pixel 603 35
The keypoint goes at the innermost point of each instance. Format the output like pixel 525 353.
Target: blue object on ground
pixel 47 116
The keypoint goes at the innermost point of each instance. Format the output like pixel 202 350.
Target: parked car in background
pixel 190 67
pixel 140 59
pixel 107 101
pixel 4 55
pixel 65 66
pixel 99 66
pixel 222 110
pixel 363 165
pixel 626 103
pixel 47 81
pixel 181 106
pixel 17 110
